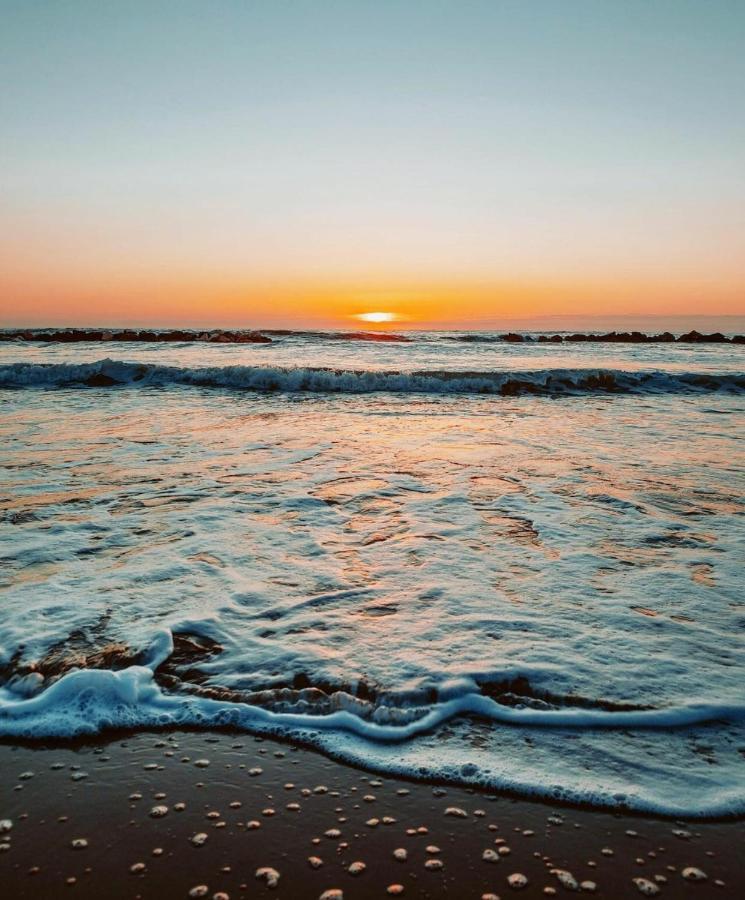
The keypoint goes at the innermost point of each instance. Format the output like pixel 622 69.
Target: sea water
pixel 517 566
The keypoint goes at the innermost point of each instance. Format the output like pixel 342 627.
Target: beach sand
pixel 117 816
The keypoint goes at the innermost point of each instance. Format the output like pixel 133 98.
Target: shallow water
pixel 539 593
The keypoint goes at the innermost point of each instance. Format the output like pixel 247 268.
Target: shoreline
pixel 266 804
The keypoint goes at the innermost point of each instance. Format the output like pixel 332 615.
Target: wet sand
pixel 180 814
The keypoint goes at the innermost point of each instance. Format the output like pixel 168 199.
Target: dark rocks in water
pixel 100 380
pixel 220 336
pixel 695 337
pixel 251 337
pixel 124 336
pixel 78 335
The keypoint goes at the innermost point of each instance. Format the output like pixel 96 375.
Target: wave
pixel 88 701
pixel 545 382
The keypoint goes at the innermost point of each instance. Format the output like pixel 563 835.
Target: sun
pixel 377 317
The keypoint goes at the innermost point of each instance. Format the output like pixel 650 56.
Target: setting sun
pixel 377 317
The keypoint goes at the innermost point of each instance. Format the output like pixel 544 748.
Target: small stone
pixel 400 854
pixel 395 890
pixel 691 873
pixel 332 833
pixel 646 887
pixel 157 812
pixel 315 862
pixel 490 856
pixel 257 770
pixel 433 864
pixel 79 844
pixel 199 840
pixel 457 812
pixel 356 868
pixel 588 886
pixel 199 890
pixel 137 867
pixel 565 879
pixel 269 875
pixel 332 894
pixel 432 850
pixel 517 881
pixel 201 763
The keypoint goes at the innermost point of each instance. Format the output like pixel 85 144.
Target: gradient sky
pixel 239 163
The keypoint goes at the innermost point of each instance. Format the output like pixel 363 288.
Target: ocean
pixel 516 566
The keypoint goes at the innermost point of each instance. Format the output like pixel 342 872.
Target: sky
pixel 238 163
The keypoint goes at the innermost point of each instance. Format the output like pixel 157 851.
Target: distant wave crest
pixel 546 382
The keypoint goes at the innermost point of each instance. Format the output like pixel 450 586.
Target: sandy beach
pixel 201 814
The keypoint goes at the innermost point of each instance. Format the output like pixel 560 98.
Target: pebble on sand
pixel 157 812
pixel 517 880
pixel 400 854
pixel 490 856
pixel 199 839
pixel 457 812
pixel 394 890
pixel 565 879
pixel 269 875
pixel 199 890
pixel 691 873
pixel 646 887
pixel 79 843
pixel 332 894
pixel 356 868
pixel 315 862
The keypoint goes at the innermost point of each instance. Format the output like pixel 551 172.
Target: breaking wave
pixel 87 701
pixel 547 382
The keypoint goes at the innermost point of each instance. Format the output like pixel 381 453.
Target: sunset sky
pixel 298 163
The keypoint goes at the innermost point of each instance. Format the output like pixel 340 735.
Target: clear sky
pixel 287 162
